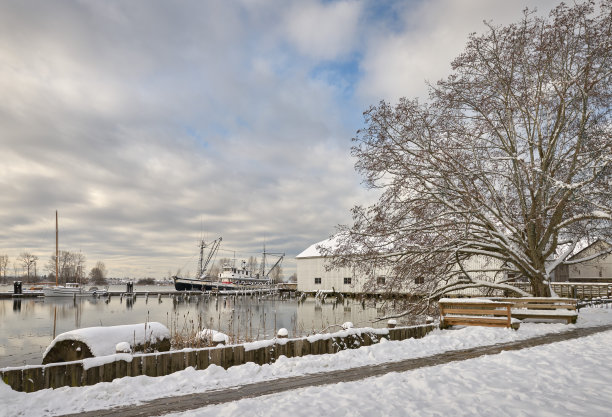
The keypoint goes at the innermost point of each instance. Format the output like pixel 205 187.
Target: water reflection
pixel 27 328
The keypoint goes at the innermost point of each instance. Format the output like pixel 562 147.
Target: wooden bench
pixel 476 312
pixel 543 308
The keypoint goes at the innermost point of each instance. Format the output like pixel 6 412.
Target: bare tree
pixel 276 274
pixel 28 261
pixel 508 162
pixel 4 260
pixel 97 275
pixel 71 266
pixel 252 265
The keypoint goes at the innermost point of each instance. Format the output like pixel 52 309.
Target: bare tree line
pixel 71 268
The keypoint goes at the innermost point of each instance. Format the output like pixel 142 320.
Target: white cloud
pixel 143 121
pixel 323 31
pixel 397 63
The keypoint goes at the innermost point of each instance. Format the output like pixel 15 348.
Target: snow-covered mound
pixel 100 341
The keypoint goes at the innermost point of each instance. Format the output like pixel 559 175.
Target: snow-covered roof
pixel 312 251
pixel 584 246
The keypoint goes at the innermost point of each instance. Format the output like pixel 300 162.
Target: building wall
pixel 594 270
pixel 482 263
pixel 314 267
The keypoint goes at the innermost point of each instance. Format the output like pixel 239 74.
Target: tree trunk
pixel 540 289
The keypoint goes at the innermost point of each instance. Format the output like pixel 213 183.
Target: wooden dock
pixel 156 293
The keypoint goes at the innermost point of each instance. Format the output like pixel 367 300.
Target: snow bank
pixel 102 341
pixel 209 336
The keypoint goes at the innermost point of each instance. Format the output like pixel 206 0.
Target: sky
pixel 149 125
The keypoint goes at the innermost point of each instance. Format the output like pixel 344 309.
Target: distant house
pixel 591 270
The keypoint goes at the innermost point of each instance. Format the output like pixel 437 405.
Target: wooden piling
pixel 203 358
pixel 149 365
pixel 33 379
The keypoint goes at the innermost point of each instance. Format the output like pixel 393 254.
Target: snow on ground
pixel 570 378
pixel 588 362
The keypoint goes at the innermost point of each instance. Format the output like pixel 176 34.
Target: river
pixel 27 325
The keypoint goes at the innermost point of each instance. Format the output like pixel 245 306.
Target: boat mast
pixel 201 258
pixel 56 250
pixel 263 262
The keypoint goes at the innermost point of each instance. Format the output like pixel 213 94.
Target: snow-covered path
pixel 137 390
pixel 571 378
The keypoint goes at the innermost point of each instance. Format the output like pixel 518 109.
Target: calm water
pixel 26 326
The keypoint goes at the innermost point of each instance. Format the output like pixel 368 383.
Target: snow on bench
pixel 549 308
pixel 101 341
pixel 475 312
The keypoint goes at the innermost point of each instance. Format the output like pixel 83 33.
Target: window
pixel 347 281
pixel 317 280
pixel 419 280
pixel 380 280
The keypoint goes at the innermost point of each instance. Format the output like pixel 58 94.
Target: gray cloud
pixel 149 123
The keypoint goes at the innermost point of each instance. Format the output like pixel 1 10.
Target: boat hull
pixel 71 292
pixel 186 284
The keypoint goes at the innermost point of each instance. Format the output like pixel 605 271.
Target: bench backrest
pixel 475 308
pixel 542 303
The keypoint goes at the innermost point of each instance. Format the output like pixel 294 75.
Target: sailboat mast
pixel 56 249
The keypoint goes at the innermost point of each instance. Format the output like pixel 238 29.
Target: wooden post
pixel 238 355
pixel 203 358
pixel 149 365
pixel 108 372
pixel 33 379
pixel 74 373
pixel 216 356
pixel 177 361
pixel 13 378
pixel 57 377
pixel 136 366
pixel 227 355
pixel 121 368
pixel 191 359
pixel 163 364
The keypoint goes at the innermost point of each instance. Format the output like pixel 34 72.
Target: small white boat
pixel 72 289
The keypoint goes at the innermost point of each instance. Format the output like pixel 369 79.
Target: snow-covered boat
pixel 72 289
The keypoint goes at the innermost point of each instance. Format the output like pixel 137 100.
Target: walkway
pixel 163 406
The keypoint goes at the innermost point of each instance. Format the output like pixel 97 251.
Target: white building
pixel 591 270
pixel 312 275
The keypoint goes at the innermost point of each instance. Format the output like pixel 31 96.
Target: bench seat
pixel 476 312
pixel 548 308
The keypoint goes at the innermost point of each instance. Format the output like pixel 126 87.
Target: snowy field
pixel 566 378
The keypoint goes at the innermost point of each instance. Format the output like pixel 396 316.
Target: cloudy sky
pixel 150 124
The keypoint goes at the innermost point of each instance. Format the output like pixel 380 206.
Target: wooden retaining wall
pixel 78 373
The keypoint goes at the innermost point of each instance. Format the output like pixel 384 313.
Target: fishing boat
pixel 230 277
pixel 72 289
pixel 202 280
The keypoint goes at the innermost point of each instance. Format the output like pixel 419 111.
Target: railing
pixel 579 290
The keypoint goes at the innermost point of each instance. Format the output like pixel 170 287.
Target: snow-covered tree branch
pixel 508 160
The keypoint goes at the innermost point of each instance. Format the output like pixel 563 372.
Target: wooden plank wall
pixel 74 374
